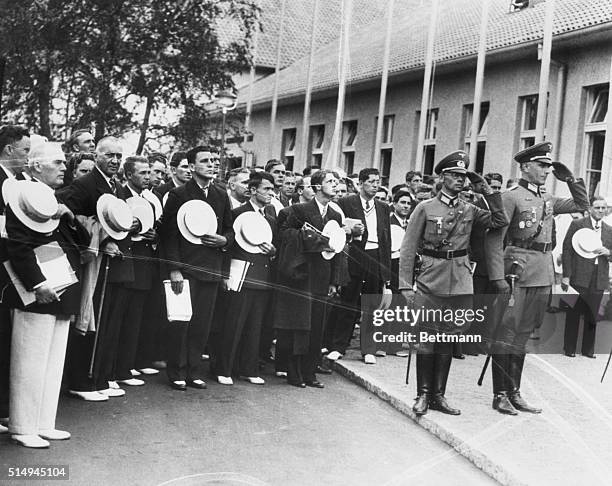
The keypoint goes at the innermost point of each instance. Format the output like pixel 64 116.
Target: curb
pixel 476 456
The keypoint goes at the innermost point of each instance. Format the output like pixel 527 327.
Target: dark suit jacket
pixel 259 272
pixel 82 195
pixel 20 247
pixel 162 189
pixel 3 177
pixel 351 205
pixel 198 261
pixel 477 242
pixel 580 270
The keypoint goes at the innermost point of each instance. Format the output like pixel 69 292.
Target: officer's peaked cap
pixel 454 162
pixel 540 152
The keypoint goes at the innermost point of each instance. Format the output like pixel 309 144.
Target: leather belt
pixel 535 245
pixel 447 255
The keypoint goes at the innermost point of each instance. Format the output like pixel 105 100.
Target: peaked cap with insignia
pixel 457 161
pixel 540 152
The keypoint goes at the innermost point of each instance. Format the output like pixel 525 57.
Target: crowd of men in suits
pixel 298 293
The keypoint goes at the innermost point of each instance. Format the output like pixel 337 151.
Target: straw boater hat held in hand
pixel 143 212
pixel 34 204
pixel 337 239
pixel 251 230
pixel 114 215
pixel 586 242
pixel 195 219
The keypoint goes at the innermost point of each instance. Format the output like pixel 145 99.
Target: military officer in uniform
pixel 527 254
pixel 439 229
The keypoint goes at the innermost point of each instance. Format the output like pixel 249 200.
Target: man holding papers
pixel 248 286
pixel 38 227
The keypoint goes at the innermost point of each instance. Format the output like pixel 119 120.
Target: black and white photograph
pixel 303 242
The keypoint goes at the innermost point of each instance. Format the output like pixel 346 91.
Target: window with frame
pixel 386 146
pixel 429 143
pixel 316 138
pixel 288 147
pixel 468 113
pixel 349 134
pixel 595 134
pixel 528 118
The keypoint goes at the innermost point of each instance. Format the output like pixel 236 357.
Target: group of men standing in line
pixel 296 287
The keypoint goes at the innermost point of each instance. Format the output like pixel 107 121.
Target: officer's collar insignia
pixel 530 186
pixel 449 201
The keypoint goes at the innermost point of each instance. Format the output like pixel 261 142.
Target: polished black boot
pixel 516 371
pixel 499 371
pixel 438 401
pixel 424 369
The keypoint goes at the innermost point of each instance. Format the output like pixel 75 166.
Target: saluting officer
pixel 440 229
pixel 527 254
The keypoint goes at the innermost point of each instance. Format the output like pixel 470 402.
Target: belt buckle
pixel 450 254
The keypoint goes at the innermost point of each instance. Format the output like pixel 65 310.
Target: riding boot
pixel 499 370
pixel 441 370
pixel 424 368
pixel 516 371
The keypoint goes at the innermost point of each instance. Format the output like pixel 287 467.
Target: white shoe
pixel 132 382
pixel 382 354
pixel 148 371
pixel 225 380
pixel 369 359
pixel 89 396
pixel 254 380
pixel 135 372
pixel 334 355
pixel 114 385
pixel 3 429
pixel 402 354
pixel 112 392
pixel 54 434
pixel 280 374
pixel 33 441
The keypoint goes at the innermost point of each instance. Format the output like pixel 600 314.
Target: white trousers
pixel 37 361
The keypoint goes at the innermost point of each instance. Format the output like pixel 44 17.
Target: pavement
pixel 569 443
pixel 244 434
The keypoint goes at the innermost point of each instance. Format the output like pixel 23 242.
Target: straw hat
pixel 143 212
pixel 34 204
pixel 114 215
pixel 251 230
pixel 153 199
pixel 337 239
pixel 585 242
pixel 195 219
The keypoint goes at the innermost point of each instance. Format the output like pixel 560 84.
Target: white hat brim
pixel 153 199
pixel 265 236
pixel 15 189
pixel 102 202
pixel 143 211
pixel 579 237
pixel 336 235
pixel 207 212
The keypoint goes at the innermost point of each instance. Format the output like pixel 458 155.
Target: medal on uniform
pixel 439 226
pixel 528 224
pixel 521 224
pixel 533 215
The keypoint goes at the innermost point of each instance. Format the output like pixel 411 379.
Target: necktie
pixel 597 226
pixel 367 205
pixel 324 213
pixel 261 211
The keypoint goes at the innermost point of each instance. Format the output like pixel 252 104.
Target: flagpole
pixel 249 104
pixel 480 66
pixel 383 86
pixel 426 83
pixel 306 119
pixel 606 179
pixel 545 71
pixel 276 80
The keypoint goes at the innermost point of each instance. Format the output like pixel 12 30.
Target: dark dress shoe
pixel 502 404
pixel 440 404
pixel 178 386
pixel 520 404
pixel 592 356
pixel 199 384
pixel 297 384
pixel 421 405
pixel 315 384
pixel 459 356
pixel 570 355
pixel 322 370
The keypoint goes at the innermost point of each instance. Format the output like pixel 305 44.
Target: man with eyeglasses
pixel 440 229
pixel 14 150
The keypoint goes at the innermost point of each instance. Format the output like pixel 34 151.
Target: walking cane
pixel 408 366
pixel 606 368
pixel 106 259
pixel 513 278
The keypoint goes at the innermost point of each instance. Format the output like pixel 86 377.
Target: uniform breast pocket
pixel 465 227
pixel 434 227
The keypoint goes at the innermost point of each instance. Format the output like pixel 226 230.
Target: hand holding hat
pixel 561 172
